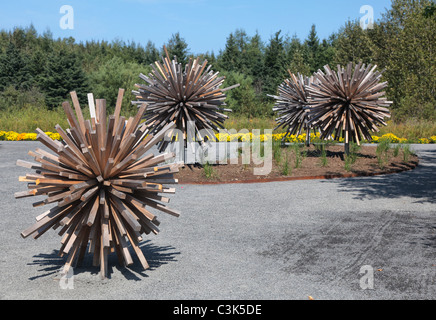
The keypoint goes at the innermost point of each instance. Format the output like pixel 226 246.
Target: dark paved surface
pixel 283 240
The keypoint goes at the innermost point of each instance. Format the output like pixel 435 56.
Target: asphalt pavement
pixel 359 238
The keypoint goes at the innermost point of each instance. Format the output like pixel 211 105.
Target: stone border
pixel 408 167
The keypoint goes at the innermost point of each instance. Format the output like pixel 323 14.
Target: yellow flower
pixel 424 141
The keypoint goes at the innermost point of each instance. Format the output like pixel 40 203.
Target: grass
pixel 412 129
pixel 239 122
pixel 29 118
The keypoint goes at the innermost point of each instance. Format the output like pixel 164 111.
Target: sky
pixel 204 24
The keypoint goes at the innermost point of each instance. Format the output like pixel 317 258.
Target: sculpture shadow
pixel 419 183
pixel 155 255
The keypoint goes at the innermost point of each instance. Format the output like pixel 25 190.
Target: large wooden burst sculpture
pixel 348 104
pixel 182 95
pixel 292 105
pixel 103 179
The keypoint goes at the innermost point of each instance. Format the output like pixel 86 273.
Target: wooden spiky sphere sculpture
pixel 103 179
pixel 348 104
pixel 182 95
pixel 292 105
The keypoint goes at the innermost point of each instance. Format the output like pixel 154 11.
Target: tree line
pixel 36 69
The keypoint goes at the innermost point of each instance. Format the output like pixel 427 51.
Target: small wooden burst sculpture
pixel 102 179
pixel 292 105
pixel 348 104
pixel 178 95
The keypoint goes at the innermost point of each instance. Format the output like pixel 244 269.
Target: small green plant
pixel 396 151
pixel 323 155
pixel 277 151
pixel 407 152
pixel 209 171
pixel 352 156
pixel 354 150
pixel 286 167
pixel 382 152
pixel 348 162
pixel 299 156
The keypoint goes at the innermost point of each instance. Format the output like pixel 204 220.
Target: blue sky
pixel 204 24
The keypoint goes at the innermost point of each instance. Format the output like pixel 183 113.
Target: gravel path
pixel 280 241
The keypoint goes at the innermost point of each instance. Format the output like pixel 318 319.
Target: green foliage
pixel 396 151
pixel 402 43
pixel 30 117
pixel 353 44
pixel 405 45
pixel 243 99
pixel 62 75
pixel 14 69
pixel 274 67
pixel 209 172
pixel 286 168
pixel 299 156
pixel 407 152
pixel 115 74
pixel 12 98
pixel 323 154
pixel 382 152
pixel 277 151
pixel 298 64
pixel 178 47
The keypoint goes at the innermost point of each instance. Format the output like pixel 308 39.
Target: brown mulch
pixel 311 168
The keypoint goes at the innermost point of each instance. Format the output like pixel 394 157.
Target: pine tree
pixel 151 54
pixel 178 47
pixel 353 44
pixel 63 74
pixel 404 44
pixel 298 64
pixel 14 69
pixel 253 57
pixel 312 50
pixel 274 68
pixel 230 59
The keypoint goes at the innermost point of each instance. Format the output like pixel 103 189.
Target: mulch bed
pixel 311 168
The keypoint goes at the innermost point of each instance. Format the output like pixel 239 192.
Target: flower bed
pixel 15 136
pixel 241 137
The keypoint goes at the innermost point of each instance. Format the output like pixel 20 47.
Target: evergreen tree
pixel 63 74
pixel 274 68
pixel 230 59
pixel 151 54
pixel 14 69
pixel 353 44
pixel 253 57
pixel 312 48
pixel 327 51
pixel 177 46
pixel 298 64
pixel 405 45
